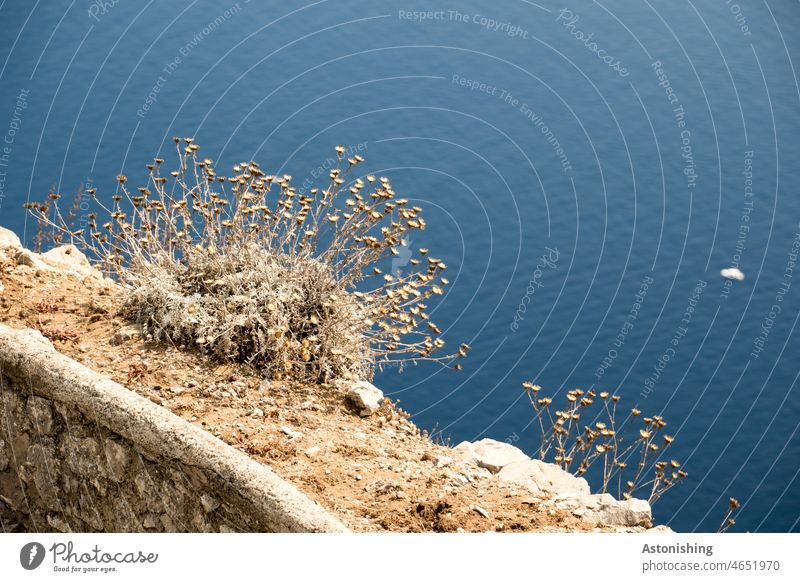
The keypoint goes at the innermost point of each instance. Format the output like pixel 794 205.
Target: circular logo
pixel 31 555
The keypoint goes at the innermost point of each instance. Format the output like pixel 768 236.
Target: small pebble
pixel 290 433
pixel 480 511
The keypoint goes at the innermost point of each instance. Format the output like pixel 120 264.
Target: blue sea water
pixel 586 171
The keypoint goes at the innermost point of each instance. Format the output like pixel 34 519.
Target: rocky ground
pixel 345 446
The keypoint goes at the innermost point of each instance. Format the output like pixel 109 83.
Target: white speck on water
pixel 733 274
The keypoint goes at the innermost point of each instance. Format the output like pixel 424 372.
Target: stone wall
pixel 80 453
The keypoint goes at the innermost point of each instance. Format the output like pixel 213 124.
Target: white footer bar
pixel 406 557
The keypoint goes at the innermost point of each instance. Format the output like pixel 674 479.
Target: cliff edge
pixel 355 455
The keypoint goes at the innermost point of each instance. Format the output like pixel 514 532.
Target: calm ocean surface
pixel 586 170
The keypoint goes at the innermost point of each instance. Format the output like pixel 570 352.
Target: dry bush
pixel 629 465
pixel 248 269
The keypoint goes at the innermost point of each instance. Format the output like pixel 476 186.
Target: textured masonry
pixel 79 452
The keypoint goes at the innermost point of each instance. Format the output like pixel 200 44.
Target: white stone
pixel 733 274
pixel 543 478
pixel 312 452
pixel 366 397
pixel 9 239
pixel 481 511
pixel 476 473
pixel 29 259
pixel 603 509
pixel 442 461
pixel 65 256
pixel 290 433
pixel 126 333
pixel 490 454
